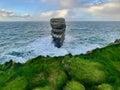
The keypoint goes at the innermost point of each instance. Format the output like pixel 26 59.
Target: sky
pixel 71 10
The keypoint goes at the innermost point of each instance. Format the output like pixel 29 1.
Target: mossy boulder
pixel 57 77
pixel 43 88
pixel 18 83
pixel 87 72
pixel 74 85
pixel 105 87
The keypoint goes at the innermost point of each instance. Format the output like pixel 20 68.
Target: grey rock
pixel 117 41
pixel 58 23
pixel 58 31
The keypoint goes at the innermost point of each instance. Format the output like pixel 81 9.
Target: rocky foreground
pixel 96 70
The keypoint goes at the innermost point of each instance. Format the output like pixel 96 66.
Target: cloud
pixel 4 13
pixel 68 4
pixel 10 15
pixel 52 14
pixel 25 15
pixel 68 14
pixel 109 10
pixel 44 1
pixel 85 9
pixel 71 10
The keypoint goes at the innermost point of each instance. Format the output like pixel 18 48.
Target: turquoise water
pixel 21 41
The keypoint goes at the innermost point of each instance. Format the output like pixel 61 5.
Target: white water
pixel 45 47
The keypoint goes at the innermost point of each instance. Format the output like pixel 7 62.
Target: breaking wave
pixel 45 47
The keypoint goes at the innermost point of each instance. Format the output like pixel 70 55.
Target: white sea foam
pixel 45 47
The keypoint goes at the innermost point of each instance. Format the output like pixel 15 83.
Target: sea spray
pixel 43 46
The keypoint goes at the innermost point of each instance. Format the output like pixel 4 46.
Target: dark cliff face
pixel 58 31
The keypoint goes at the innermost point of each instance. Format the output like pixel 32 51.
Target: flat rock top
pixel 57 20
pixel 58 23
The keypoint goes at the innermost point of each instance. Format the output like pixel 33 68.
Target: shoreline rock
pixel 117 41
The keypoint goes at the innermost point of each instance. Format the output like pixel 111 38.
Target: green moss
pixel 57 77
pixel 105 87
pixel 74 85
pixel 87 72
pixel 18 83
pixel 43 88
pixel 116 65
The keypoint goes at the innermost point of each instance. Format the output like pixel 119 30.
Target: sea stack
pixel 58 31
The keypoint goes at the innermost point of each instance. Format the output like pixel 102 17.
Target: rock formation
pixel 58 31
pixel 117 41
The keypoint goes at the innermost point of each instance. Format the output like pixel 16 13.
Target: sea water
pixel 21 41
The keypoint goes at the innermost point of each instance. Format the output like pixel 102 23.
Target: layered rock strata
pixel 58 31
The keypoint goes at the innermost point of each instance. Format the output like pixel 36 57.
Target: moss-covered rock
pixel 105 87
pixel 57 77
pixel 43 88
pixel 74 85
pixel 18 83
pixel 87 72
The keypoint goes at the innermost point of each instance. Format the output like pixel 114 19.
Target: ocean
pixel 21 41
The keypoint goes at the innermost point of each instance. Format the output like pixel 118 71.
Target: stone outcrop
pixel 117 41
pixel 58 31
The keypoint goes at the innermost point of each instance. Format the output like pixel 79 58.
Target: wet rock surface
pixel 58 31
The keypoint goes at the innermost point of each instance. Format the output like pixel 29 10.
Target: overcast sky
pixel 71 10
